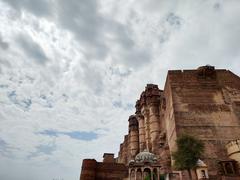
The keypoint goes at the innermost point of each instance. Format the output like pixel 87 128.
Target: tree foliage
pixel 189 150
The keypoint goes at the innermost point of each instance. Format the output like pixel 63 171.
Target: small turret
pixel 108 158
pixel 133 136
pixel 133 123
pixel 206 72
pixel 152 94
pixel 149 104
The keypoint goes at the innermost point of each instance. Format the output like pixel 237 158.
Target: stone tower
pixel 204 103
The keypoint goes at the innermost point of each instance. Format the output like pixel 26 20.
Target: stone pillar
pixel 135 174
pixel 133 136
pixel 151 174
pixel 129 174
pixel 142 139
pixel 132 172
pixel 152 94
pixel 142 170
pixel 145 113
pixel 141 127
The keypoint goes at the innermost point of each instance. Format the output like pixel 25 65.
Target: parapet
pixel 199 75
pixel 108 158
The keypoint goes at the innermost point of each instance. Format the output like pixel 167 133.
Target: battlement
pixel 202 71
pixel 91 169
pixel 108 158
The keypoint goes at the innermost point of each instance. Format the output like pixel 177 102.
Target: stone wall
pixel 91 170
pixel 205 105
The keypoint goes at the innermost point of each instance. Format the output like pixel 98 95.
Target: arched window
pixel 147 174
pixel 229 169
pixel 139 174
pixel 132 174
pixel 203 173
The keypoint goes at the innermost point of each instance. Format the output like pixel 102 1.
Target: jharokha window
pixel 228 167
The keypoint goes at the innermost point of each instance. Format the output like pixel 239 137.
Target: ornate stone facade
pixel 204 103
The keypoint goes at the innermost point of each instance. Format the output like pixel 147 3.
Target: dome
pixel 145 156
pixel 131 162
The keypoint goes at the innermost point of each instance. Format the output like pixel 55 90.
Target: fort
pixel 204 103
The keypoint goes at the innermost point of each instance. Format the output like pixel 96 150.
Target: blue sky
pixel 86 136
pixel 71 72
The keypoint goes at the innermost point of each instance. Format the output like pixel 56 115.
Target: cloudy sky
pixel 71 71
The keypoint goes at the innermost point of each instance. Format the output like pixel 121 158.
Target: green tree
pixel 189 150
pixel 148 177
